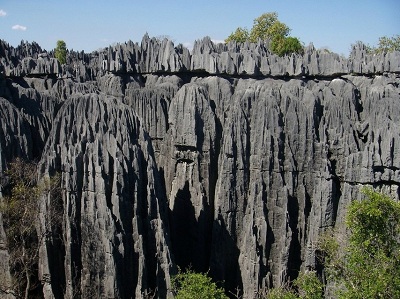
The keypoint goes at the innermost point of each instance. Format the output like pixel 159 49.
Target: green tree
pixel 60 51
pixel 286 45
pixel 268 27
pixel 369 264
pixel 240 35
pixel 191 285
pixel 385 45
pixel 388 44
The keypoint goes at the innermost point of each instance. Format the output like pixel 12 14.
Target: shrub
pixel 61 52
pixel 309 286
pixel 268 27
pixel 191 285
pixel 286 45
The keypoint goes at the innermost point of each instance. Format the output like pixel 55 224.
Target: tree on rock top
pixel 61 51
pixel 240 35
pixel 386 45
pixel 268 27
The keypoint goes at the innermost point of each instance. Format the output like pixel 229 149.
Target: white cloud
pixel 19 27
pixel 2 13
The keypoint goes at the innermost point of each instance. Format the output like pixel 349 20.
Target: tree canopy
pixel 60 51
pixel 387 44
pixel 268 27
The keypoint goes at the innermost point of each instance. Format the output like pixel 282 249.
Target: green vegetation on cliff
pixel 191 285
pixel 268 27
pixel 60 51
pixel 387 44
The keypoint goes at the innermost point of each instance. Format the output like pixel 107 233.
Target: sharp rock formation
pixel 227 158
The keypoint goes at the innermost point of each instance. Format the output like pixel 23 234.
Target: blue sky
pixel 91 24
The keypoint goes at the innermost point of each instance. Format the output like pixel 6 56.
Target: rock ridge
pixel 161 56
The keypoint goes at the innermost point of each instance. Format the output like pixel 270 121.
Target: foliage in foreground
pixel 192 285
pixel 367 264
pixel 268 27
pixel 306 286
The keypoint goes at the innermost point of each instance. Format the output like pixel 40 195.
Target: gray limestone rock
pixel 188 158
pixel 38 106
pixel 15 134
pixel 113 212
pixel 151 101
pixel 229 158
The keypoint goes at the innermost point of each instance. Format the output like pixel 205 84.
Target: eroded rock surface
pixel 114 209
pixel 227 158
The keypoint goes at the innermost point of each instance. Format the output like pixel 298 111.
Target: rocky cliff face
pixel 227 158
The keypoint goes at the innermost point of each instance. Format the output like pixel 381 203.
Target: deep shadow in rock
pixel 184 227
pixel 294 261
pixel 56 257
pixel 224 263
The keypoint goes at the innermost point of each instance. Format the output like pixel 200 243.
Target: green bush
pixel 385 45
pixel 372 268
pixel 309 286
pixel 268 27
pixel 286 45
pixel 240 35
pixel 60 52
pixel 191 285
pixel 280 293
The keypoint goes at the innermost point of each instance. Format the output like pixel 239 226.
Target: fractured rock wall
pixel 112 200
pixel 227 158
